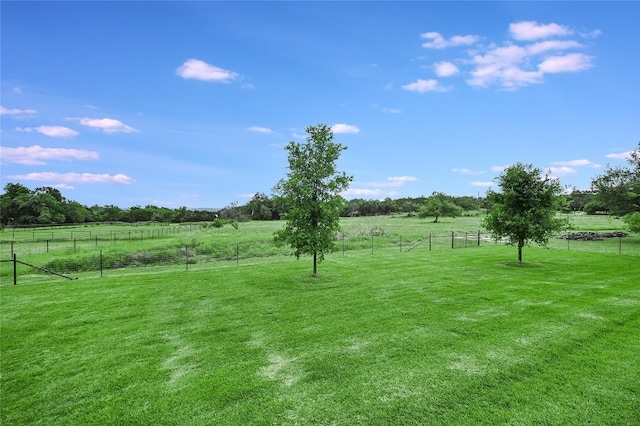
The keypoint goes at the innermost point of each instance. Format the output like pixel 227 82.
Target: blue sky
pixel 192 103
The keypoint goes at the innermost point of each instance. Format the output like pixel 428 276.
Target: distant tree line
pixel 615 192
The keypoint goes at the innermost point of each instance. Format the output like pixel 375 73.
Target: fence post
pixel 465 239
pixel 429 241
pixel 74 244
pixel 47 246
pixel 12 248
pixel 478 238
pixel 452 241
pixel 15 269
pixel 619 245
pixel 96 240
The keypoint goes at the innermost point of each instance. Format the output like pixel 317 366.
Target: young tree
pixel 525 208
pixel 312 192
pixel 619 187
pixel 438 205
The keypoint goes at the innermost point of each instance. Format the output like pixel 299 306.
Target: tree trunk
pixel 315 263
pixel 520 245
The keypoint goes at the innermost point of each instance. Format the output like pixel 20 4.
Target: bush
pixel 632 220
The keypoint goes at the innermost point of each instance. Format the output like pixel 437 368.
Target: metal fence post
pixel 15 269
pixel 452 240
pixel 619 245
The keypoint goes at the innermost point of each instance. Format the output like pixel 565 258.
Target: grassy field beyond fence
pixel 104 248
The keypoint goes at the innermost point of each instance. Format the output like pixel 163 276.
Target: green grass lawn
pixel 460 337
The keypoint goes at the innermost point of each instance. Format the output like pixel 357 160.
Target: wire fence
pixel 101 253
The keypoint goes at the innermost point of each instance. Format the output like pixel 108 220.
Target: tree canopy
pixel 525 208
pixel 439 205
pixel 618 189
pixel 312 192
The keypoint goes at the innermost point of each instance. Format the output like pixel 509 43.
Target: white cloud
pixel 446 69
pixel 437 41
pixel 482 184
pixel 107 125
pixel 561 171
pixel 200 70
pixel 498 168
pixel 15 112
pixel 260 130
pixel 75 177
pixel 620 156
pixel 37 155
pixel 551 45
pixel 576 163
pixel 423 86
pixel 401 180
pixel 568 63
pixel 531 30
pixel 387 110
pixel 51 131
pixel 465 171
pixel 359 192
pixel 344 128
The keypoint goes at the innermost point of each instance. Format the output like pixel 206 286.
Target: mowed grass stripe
pixel 458 337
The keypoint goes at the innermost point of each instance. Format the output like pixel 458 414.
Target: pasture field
pixel 461 337
pixel 108 248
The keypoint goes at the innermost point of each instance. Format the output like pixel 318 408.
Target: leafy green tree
pixel 439 205
pixel 312 192
pixel 619 187
pixel 525 208
pixel 632 220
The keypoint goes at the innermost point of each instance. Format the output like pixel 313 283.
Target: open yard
pixel 461 337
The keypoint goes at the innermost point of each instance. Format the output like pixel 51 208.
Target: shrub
pixel 632 220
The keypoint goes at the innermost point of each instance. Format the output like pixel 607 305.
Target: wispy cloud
pixel 15 112
pixel 424 86
pixel 88 178
pixel 259 129
pixel 387 110
pixel 344 128
pixel 465 171
pixel 531 30
pixel 561 171
pixel 620 155
pixel 567 63
pixel 37 155
pixel 200 70
pixel 576 163
pixel 107 125
pixel 532 51
pixel 484 184
pixel 51 131
pixel 437 41
pixel 498 169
